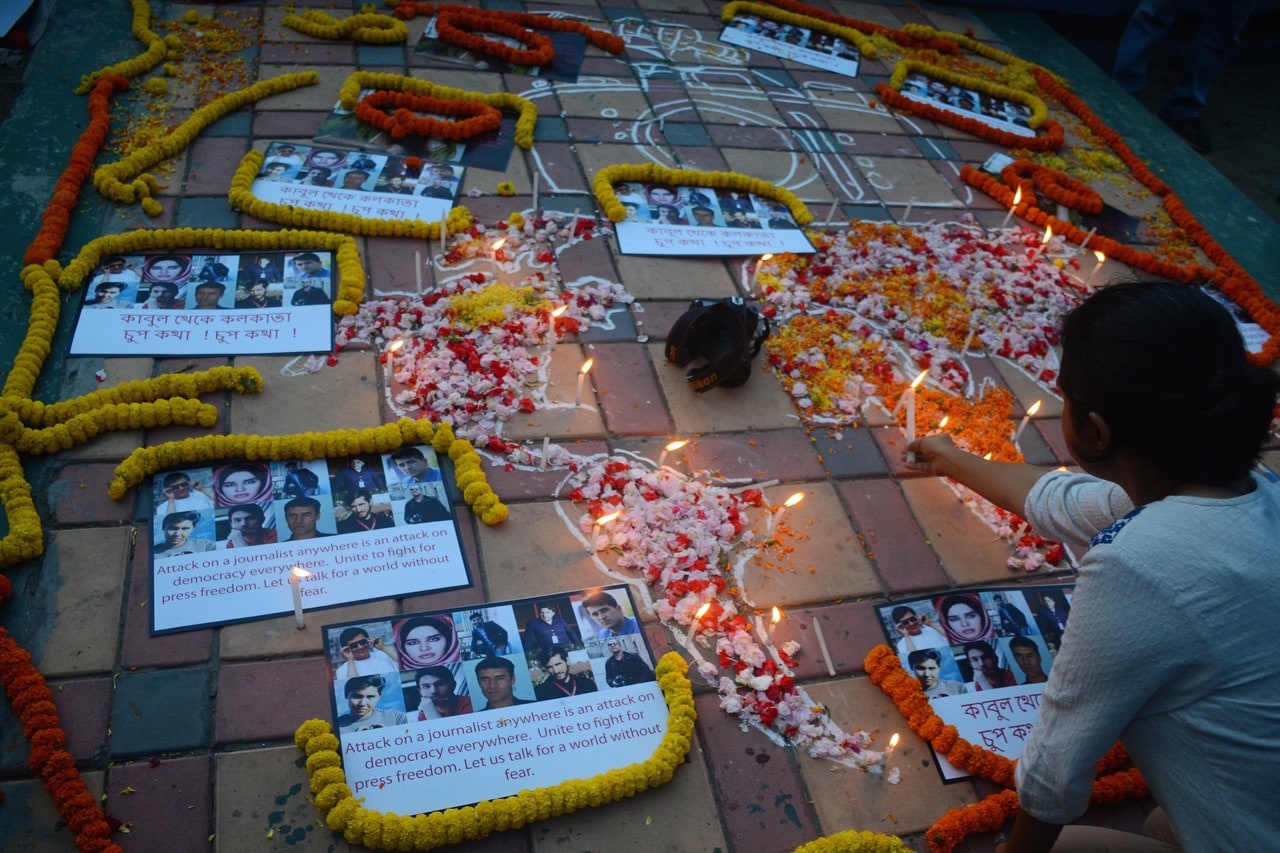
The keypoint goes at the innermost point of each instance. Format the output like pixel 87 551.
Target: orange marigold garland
pixel 1052 184
pixel 453 21
pixel 902 37
pixel 404 121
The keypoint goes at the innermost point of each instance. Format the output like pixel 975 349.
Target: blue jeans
pixel 1215 43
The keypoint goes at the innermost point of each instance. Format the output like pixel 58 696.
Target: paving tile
pixel 706 159
pixel 343 396
pixel 898 180
pixel 264 803
pixel 29 820
pixel 200 212
pixel 629 393
pixel 138 649
pixel 551 129
pixel 82 709
pixel 850 630
pixel 851 452
pixel 79 377
pixel 159 712
pixel 733 136
pixel 298 686
pixel 760 404
pixel 211 164
pixel 79 496
pixel 289 125
pixel 789 169
pixel 167 802
pixel 1027 391
pixel 536 550
pixel 817 556
pixel 674 278
pixel 560 417
pixel 89 566
pixel 311 53
pixel 851 799
pixel 604 97
pixel 892 535
pixel 757 786
pixel 584 260
pixel 786 454
pixel 558 167
pixel 970 552
pixel 519 485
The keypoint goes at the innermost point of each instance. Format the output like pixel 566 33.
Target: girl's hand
pixel 926 454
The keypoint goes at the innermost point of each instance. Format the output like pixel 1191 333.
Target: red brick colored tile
pixel 892 535
pixel 139 649
pixel 166 803
pixel 266 700
pixel 212 162
pixel 79 496
pixel 629 393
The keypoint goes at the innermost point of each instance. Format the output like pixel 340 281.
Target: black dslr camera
pixel 728 333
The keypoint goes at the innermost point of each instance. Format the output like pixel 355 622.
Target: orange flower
pixel 404 121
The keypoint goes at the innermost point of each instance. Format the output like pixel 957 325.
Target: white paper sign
pixel 797 44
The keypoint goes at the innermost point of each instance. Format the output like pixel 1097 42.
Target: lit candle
pixel 776 518
pixel 911 405
pixel 1101 259
pixel 295 585
pixel 755 274
pixel 546 449
pixel 906 215
pixel 1044 241
pixel 498 254
pixel 1026 419
pixel 893 743
pixel 822 644
pixel 1017 199
pixel 582 378
pixel 973 329
pixel 395 346
pixel 773 622
pixel 942 424
pixel 673 446
pixel 1084 244
pixel 600 523
pixel 696 623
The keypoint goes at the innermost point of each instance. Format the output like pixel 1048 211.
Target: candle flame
pixel 558 311
pixel 299 572
pixel 767 256
pixel 1101 256
pixel 498 245
pixel 676 445
pixel 942 423
pixel 988 456
pixel 586 366
pixel 702 611
pixel 1048 235
pixel 605 519
pixel 777 615
pixel 794 499
pixel 915 383
pixel 1017 196
pixel 893 741
pixel 395 345
pixel 1035 407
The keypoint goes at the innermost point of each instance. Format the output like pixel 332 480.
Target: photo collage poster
pixel 797 44
pixel 177 303
pixel 569 51
pixel 496 697
pixel 1010 116
pixel 361 183
pixel 490 151
pixel 226 537
pixel 686 221
pixel 982 657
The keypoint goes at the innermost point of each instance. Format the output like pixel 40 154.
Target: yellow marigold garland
pixel 145 461
pixel 242 198
pixel 773 13
pixel 854 841
pixel 127 181
pixel 158 50
pixel 350 278
pixel 367 27
pixel 25 539
pixel 1039 109
pixel 359 81
pixel 649 173
pixel 384 831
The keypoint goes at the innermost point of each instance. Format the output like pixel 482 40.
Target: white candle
pixel 1101 259
pixel 417 270
pixel 555 315
pixel 573 226
pixel 595 529
pixel 968 338
pixel 755 274
pixel 1084 244
pixel 1017 198
pixel 673 446
pixel 444 230
pixel 582 378
pixel 911 404
pixel 776 518
pixel 546 449
pixel 295 586
pixel 535 191
pixel 906 215
pixel 1026 419
pixel 822 644
pixel 831 214
pixel 1044 241
pixel 696 623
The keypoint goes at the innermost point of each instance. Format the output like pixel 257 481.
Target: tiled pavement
pixel 189 734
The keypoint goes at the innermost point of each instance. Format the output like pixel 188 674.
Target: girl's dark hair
pixel 1165 367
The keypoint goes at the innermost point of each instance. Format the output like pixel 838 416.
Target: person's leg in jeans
pixel 1149 24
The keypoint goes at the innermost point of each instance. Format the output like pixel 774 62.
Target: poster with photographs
pixel 361 183
pixel 797 44
pixel 1009 116
pixel 669 220
pixel 207 304
pixel 225 538
pixel 494 698
pixel 982 657
pixel 490 151
pixel 570 49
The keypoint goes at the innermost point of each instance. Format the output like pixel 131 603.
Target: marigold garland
pixel 404 121
pixel 854 841
pixel 772 13
pixel 387 831
pixel 359 81
pixel 459 25
pixel 127 181
pixel 468 470
pixel 242 198
pixel 603 183
pixel 448 20
pixel 158 50
pixel 367 27
pixel 1053 184
pixel 350 281
pixel 902 37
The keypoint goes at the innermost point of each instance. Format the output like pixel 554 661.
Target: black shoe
pixel 1191 130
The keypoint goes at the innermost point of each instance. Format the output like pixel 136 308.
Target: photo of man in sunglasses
pixel 362 655
pixel 914 631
